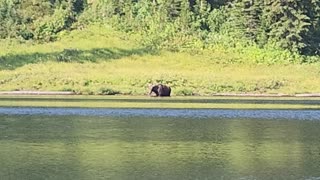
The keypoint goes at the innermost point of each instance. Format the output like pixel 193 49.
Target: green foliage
pixel 288 23
pixel 262 28
pixel 240 25
pixel 99 60
pixel 184 92
pixel 244 19
pixel 39 20
pixel 108 91
pixel 47 28
pixel 8 18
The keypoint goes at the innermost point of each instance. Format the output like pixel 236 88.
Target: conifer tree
pixel 288 22
pixel 8 19
pixel 312 38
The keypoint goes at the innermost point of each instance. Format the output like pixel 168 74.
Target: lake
pixel 104 143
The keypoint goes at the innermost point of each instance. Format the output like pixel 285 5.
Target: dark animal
pixel 160 90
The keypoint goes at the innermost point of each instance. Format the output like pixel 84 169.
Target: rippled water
pixel 73 143
pixel 181 113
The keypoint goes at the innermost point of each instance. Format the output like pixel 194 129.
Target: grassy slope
pixel 99 60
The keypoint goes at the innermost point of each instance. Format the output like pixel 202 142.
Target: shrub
pixel 108 91
pixel 184 92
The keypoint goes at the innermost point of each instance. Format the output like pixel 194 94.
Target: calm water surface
pixel 55 143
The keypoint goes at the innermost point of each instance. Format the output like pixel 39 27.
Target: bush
pixel 108 91
pixel 47 29
pixel 184 92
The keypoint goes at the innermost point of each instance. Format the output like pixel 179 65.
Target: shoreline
pixel 213 95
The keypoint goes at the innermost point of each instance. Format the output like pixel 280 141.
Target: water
pixel 73 143
pixel 181 113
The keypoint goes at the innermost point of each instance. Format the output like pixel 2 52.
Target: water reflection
pixel 124 147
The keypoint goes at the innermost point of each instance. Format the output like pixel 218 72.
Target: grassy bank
pixel 148 102
pixel 101 61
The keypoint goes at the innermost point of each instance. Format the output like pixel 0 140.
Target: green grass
pixel 98 60
pixel 149 102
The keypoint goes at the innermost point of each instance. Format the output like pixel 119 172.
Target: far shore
pixel 217 94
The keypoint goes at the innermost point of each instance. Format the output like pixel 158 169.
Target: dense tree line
pixel 292 25
pixel 37 19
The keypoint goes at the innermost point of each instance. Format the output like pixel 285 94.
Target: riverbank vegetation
pixel 197 47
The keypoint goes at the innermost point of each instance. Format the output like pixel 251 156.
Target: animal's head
pixel 154 88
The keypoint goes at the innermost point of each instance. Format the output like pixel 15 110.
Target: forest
pixel 286 29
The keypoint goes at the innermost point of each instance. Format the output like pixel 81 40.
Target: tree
pixel 312 37
pixel 288 23
pixel 8 19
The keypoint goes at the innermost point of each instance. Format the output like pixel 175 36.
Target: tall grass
pixel 98 60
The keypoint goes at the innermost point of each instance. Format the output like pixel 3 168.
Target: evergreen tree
pixel 288 23
pixel 244 20
pixel 8 19
pixel 312 38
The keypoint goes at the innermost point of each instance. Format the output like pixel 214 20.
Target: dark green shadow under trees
pixel 13 61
